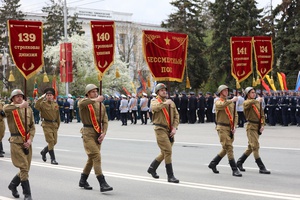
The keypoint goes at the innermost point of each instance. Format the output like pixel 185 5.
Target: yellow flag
pixel 270 82
pixel 280 81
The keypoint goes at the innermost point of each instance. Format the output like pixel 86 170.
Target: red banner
pixel 241 57
pixel 263 49
pixel 165 54
pixel 66 66
pixel 103 34
pixel 26 46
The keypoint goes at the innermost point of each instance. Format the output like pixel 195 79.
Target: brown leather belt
pixel 223 124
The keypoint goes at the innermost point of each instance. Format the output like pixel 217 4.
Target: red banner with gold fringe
pixel 241 57
pixel 263 49
pixel 103 35
pixel 165 54
pixel 26 46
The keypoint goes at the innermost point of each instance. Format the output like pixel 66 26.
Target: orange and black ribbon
pixel 20 125
pixel 94 118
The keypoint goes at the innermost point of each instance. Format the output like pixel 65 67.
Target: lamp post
pixel 66 40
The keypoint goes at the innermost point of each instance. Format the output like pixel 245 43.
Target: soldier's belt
pixel 254 122
pixel 161 125
pixel 223 124
pixel 47 120
pixel 283 104
pixel 88 125
pixel 15 134
pixel 66 107
pixel 106 105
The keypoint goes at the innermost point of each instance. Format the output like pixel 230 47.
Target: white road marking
pixel 235 190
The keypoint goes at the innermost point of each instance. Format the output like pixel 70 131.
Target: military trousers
pixel 50 133
pixel 226 142
pixel 163 142
pixel 2 129
pixel 253 143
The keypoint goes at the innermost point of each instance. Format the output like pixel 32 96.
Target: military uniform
pixel 162 131
pixel 226 121
pixel 87 109
pixel 255 116
pixel 2 129
pixel 19 158
pixel 50 113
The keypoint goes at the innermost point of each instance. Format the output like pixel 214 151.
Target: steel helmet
pixel 221 88
pixel 248 89
pixel 159 87
pixel 90 87
pixel 16 92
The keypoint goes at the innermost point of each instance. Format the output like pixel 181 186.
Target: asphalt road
pixel 128 151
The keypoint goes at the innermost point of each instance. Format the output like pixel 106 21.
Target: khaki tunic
pixel 252 126
pixel 223 126
pixel 2 124
pixel 50 112
pixel 90 136
pixel 162 130
pixel 19 159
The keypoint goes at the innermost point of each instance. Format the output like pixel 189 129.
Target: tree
pixel 8 10
pixel 189 19
pixel 287 43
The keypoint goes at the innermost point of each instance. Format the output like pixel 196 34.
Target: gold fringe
pixel 117 73
pixel 188 84
pixel 11 77
pixel 45 79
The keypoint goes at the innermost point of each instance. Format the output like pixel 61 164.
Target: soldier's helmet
pixel 248 89
pixel 90 87
pixel 220 88
pixel 16 92
pixel 159 87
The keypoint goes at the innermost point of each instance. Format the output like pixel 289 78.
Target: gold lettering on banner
pixel 263 70
pixel 242 74
pixel 30 68
pixel 168 60
pixel 166 69
pixel 27 37
pixel 100 66
pixel 167 40
pixel 242 51
pixel 263 49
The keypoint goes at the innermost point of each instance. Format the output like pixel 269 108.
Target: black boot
pixel 83 183
pixel 262 168
pixel 1 150
pixel 171 177
pixel 235 170
pixel 104 187
pixel 240 162
pixel 213 164
pixel 13 186
pixel 152 169
pixel 43 153
pixel 26 190
pixel 52 156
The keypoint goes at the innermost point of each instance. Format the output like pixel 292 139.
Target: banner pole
pixel 170 113
pixel 260 107
pixel 100 104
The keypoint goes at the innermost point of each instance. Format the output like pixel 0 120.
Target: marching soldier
pixel 50 113
pixel 2 129
pixel 93 135
pixel 226 129
pixel 20 140
pixel 255 117
pixel 165 128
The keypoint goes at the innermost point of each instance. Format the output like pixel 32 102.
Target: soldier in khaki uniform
pixel 2 129
pixel 255 117
pixel 93 135
pixel 49 110
pixel 161 108
pixel 226 129
pixel 21 149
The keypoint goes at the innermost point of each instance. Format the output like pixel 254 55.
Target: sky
pixel 147 11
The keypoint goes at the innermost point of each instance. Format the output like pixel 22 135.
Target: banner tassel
pixel 254 84
pixel 45 79
pixel 11 77
pixel 272 81
pixel 148 82
pixel 257 80
pixel 100 76
pixel 117 73
pixel 188 84
pixel 238 86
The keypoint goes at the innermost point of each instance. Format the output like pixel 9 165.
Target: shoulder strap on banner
pixel 257 113
pixel 94 118
pixel 228 113
pixel 19 124
pixel 166 113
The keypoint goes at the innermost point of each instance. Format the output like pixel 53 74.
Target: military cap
pixel 49 91
pixel 192 93
pixel 144 94
pixel 123 96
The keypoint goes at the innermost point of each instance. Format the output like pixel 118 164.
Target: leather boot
pixel 171 177
pixel 1 150
pixel 83 183
pixel 235 170
pixel 213 164
pixel 262 168
pixel 13 186
pixel 104 187
pixel 26 190
pixel 52 156
pixel 240 162
pixel 43 153
pixel 152 169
